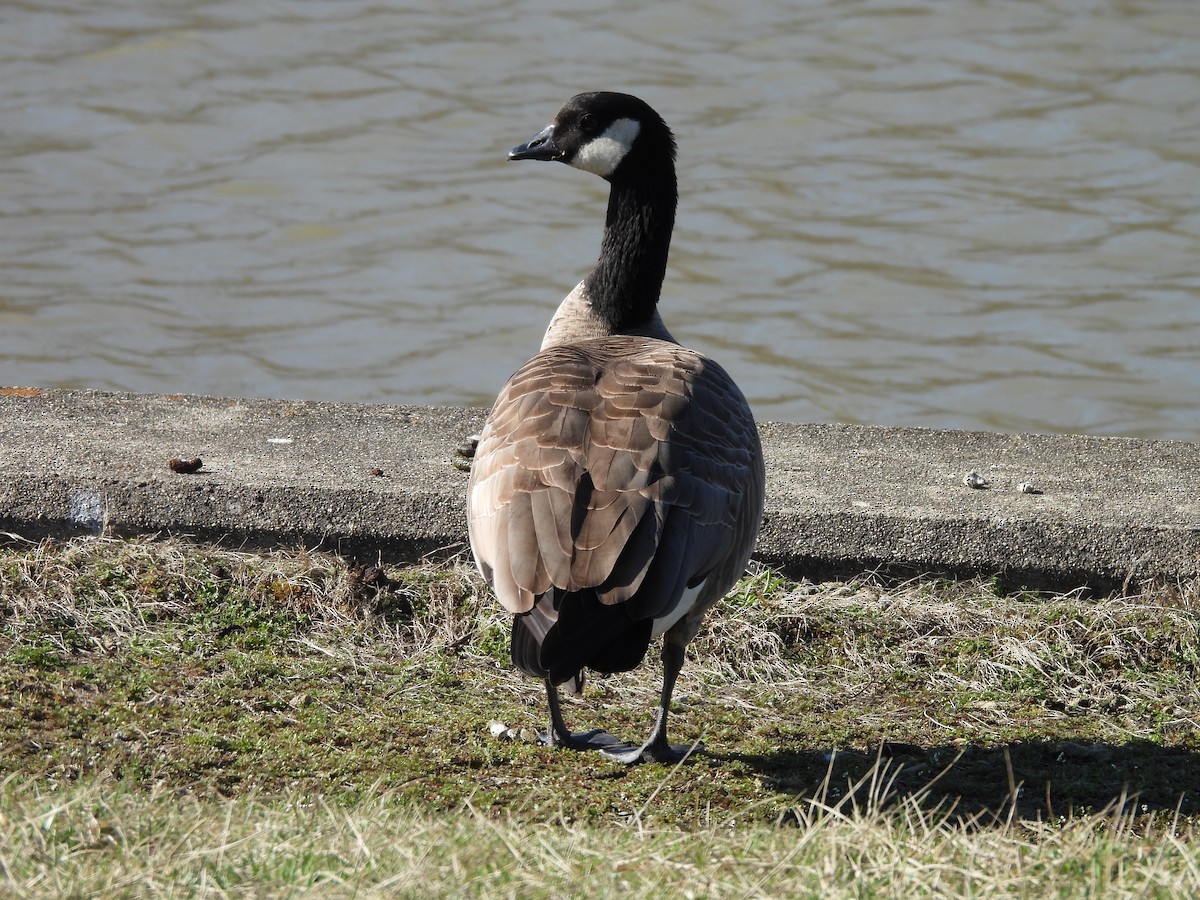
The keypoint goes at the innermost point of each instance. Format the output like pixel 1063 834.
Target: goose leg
pixel 656 748
pixel 560 736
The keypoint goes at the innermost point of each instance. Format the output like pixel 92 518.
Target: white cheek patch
pixel 602 155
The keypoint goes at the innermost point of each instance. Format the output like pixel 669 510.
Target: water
pixel 951 214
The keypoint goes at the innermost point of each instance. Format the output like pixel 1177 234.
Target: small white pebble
pixel 975 480
pixel 497 729
pixel 1026 487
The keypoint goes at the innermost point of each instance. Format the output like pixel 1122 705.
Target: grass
pixel 96 841
pixel 186 720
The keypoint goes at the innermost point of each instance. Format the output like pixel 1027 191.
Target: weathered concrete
pixel 841 499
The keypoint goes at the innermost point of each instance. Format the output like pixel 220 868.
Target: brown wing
pixel 616 464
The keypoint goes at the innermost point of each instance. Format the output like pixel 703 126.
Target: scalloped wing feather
pixel 615 464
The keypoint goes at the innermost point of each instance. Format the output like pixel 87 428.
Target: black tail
pixel 526 652
pixel 588 635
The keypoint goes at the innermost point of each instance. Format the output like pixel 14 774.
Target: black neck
pixel 625 285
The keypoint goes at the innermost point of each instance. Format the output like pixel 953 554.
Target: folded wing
pixel 627 466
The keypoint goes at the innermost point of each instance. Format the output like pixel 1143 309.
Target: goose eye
pixel 587 123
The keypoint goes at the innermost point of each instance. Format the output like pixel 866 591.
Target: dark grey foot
pixel 663 753
pixel 596 739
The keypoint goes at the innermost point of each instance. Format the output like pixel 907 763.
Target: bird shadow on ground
pixel 983 785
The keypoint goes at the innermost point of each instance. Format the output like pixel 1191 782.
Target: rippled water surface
pixel 954 214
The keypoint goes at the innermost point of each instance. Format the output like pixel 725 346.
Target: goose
pixel 617 487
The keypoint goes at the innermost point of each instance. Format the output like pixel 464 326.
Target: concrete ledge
pixel 841 499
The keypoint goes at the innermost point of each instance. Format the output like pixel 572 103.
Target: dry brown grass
pixel 185 720
pixel 89 841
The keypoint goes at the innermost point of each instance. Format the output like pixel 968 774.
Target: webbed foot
pixel 596 739
pixel 652 752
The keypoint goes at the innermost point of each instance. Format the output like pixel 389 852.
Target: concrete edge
pixel 384 482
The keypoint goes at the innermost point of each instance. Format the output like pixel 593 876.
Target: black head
pixel 604 133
